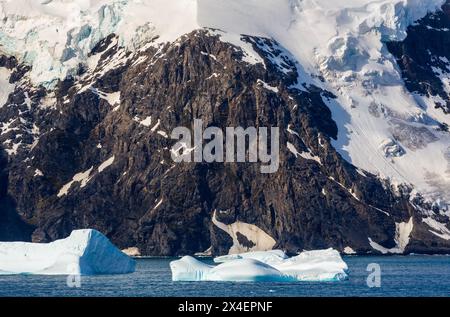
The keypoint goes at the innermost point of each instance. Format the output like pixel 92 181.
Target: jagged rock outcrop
pixel 424 62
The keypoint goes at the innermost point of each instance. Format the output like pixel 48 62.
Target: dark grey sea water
pixel 400 276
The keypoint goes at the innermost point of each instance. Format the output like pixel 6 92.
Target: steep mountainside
pixel 89 147
pixel 425 64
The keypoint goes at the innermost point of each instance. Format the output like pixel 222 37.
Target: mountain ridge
pixel 88 152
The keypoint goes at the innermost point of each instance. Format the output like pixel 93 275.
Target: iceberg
pixel 189 269
pixel 263 256
pixel 247 270
pixel 264 266
pixel 319 265
pixel 84 252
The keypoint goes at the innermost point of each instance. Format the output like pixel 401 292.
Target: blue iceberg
pixel 264 266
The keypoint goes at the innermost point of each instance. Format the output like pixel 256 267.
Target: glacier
pixel 56 35
pixel 84 252
pixel 339 47
pixel 264 266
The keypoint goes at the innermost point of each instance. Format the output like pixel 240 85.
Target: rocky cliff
pixel 94 152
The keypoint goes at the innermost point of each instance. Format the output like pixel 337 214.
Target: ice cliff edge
pixel 84 252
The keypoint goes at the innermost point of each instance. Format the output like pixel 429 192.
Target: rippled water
pixel 401 276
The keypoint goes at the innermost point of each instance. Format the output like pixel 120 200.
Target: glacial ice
pixel 84 252
pixel 246 270
pixel 189 269
pixel 264 266
pixel 318 265
pixel 263 256
pixel 56 35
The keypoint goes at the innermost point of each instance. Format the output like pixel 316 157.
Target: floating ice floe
pixel 264 266
pixel 84 252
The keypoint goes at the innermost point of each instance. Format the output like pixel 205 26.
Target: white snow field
pixel 84 252
pixel 383 129
pixel 264 266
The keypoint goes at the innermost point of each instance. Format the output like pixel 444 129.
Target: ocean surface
pixel 400 276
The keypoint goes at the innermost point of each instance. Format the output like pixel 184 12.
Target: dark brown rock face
pixel 91 157
pixel 11 226
pixel 423 53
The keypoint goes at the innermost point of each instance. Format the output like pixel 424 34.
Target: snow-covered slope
pixel 55 35
pixel 5 87
pixel 339 46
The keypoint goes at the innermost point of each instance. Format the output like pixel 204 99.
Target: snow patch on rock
pixel 260 240
pixel 147 122
pixel 402 235
pixel 437 228
pixel 306 155
pixel 267 86
pixel 82 178
pixel 106 164
pixel 38 173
